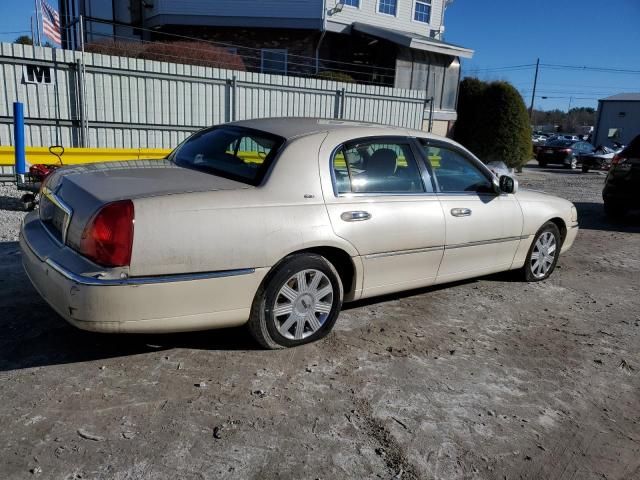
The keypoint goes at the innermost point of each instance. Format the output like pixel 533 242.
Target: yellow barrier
pixel 74 156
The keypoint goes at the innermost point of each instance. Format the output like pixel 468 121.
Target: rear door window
pixel 377 167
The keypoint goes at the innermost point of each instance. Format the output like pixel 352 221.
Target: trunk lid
pixel 76 193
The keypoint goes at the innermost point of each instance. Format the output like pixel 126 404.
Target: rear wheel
pixel 614 210
pixel 298 302
pixel 573 163
pixel 542 164
pixel 585 169
pixel 543 254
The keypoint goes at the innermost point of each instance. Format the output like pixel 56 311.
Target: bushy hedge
pixel 493 122
pixel 192 53
pixel 335 76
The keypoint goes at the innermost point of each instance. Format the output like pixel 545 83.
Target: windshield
pixel 232 152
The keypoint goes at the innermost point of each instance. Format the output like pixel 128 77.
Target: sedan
pixel 275 223
pixel 562 152
pixel 599 159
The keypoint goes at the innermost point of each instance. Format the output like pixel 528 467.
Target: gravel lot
pixel 484 379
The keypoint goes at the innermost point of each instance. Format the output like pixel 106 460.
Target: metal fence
pixel 118 102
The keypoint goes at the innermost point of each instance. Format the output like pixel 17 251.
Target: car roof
pixel 289 128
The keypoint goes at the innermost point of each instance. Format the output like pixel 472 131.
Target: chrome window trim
pixel 120 282
pixel 57 201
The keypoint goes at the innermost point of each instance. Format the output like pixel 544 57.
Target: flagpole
pixel 33 37
pixel 38 17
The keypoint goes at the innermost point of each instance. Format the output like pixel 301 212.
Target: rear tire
pixel 585 169
pixel 542 164
pixel 614 210
pixel 543 254
pixel 297 303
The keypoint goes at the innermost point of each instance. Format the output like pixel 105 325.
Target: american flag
pixel 50 22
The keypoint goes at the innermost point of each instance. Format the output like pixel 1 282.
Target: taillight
pixel 617 160
pixel 108 238
pixel 567 150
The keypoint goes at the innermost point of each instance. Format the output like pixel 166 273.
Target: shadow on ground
pixel 591 216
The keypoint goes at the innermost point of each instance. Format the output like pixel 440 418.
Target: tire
pixel 542 164
pixel 585 169
pixel 531 271
pixel 270 329
pixel 614 210
pixel 572 165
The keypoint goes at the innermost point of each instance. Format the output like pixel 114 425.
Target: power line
pixel 590 68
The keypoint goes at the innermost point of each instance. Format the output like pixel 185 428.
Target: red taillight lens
pixel 567 150
pixel 108 238
pixel 617 160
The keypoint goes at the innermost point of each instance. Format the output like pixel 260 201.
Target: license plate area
pixel 55 215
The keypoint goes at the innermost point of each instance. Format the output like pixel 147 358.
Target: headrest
pixel 382 163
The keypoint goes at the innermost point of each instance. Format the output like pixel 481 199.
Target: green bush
pixel 493 122
pixel 335 76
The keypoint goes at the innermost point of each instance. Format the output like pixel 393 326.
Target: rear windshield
pixel 236 153
pixel 561 143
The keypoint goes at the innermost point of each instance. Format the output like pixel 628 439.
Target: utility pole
pixel 535 85
pixel 37 41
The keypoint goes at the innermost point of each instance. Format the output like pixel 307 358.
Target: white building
pixel 391 42
pixel 618 119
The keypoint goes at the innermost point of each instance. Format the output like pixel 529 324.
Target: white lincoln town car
pixel 275 223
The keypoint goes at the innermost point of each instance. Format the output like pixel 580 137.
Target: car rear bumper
pixel 172 303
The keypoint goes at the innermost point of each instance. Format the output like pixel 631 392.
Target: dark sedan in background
pixel 563 152
pixel 622 187
pixel 599 159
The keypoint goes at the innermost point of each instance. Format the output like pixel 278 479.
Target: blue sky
pixel 515 32
pixel 560 32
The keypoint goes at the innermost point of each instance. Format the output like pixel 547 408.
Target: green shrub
pixel 493 122
pixel 335 76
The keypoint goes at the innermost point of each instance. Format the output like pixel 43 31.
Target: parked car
pixel 275 223
pixel 562 152
pixel 622 187
pixel 599 159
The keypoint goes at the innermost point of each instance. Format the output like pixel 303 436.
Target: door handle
pixel 461 212
pixel 357 216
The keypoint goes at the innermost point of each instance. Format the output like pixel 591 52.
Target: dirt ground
pixel 485 379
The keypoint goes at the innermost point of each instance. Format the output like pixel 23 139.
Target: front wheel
pixel 298 302
pixel 543 254
pixel 585 169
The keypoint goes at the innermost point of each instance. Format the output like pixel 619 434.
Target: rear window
pixel 561 143
pixel 232 152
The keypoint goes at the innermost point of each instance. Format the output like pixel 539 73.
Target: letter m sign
pixel 37 74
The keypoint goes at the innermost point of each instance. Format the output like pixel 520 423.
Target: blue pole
pixel 18 139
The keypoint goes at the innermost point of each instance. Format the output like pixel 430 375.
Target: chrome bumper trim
pixel 119 282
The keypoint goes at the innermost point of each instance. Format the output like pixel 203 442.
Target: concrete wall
pixel 134 103
pixel 622 115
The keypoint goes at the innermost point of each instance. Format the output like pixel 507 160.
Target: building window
pixel 422 12
pixel 351 3
pixel 388 7
pixel 274 60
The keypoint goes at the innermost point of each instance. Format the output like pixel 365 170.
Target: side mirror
pixel 508 184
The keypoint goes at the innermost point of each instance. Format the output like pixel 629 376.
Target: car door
pixel 483 227
pixel 379 199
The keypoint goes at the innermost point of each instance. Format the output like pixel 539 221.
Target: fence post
pixel 81 100
pixel 343 95
pixel 234 91
pixel 18 140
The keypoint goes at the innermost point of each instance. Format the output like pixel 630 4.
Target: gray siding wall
pixel 403 21
pixel 240 8
pixel 133 103
pixel 609 116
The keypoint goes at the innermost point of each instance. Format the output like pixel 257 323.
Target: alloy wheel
pixel 303 304
pixel 543 255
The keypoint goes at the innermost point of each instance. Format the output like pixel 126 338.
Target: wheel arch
pixel 562 226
